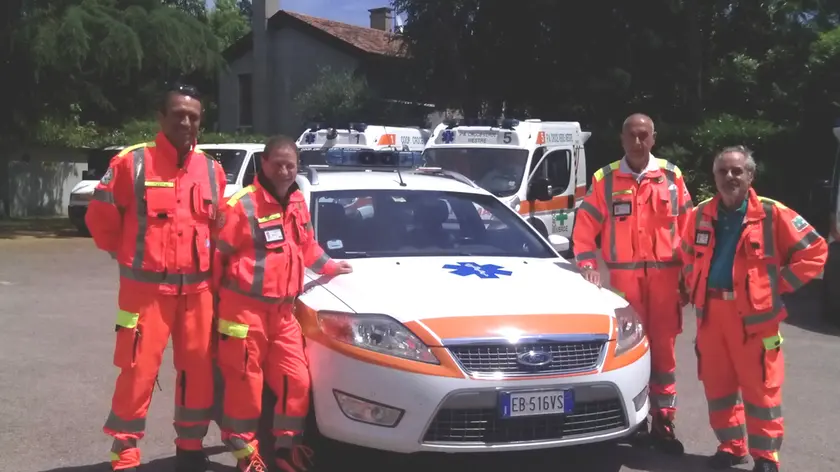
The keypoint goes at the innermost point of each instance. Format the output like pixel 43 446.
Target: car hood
pixel 84 187
pixel 428 289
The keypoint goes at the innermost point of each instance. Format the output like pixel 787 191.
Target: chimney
pixel 382 19
pixel 262 11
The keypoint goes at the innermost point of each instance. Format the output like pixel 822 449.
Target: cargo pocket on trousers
pixel 128 339
pixel 233 348
pixel 772 361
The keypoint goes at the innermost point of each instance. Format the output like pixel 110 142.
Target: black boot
pixel 191 461
pixel 640 437
pixel 725 460
pixel 764 465
pixel 663 438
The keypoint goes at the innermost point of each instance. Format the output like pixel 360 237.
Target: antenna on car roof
pixel 399 174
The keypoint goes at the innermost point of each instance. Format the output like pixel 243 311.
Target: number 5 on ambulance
pixel 536 167
pixel 360 144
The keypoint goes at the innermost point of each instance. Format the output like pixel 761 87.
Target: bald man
pixel 639 206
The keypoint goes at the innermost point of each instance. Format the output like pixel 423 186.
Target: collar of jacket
pixel 266 192
pixel 651 171
pixel 755 210
pixel 164 149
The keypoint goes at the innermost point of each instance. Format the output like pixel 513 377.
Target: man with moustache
pixel 265 241
pixel 639 205
pixel 740 253
pixel 153 211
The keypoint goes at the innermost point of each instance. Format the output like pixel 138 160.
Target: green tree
pixel 228 22
pixel 336 96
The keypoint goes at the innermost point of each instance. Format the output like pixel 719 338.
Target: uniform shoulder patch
pixel 799 223
pixel 109 175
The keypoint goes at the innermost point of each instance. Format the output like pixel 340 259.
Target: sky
pixel 354 12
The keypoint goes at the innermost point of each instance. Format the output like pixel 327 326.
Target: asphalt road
pixel 57 302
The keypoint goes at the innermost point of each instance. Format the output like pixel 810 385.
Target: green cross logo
pixel 561 217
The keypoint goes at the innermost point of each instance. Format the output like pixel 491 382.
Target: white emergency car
pixel 239 160
pixel 464 337
pixel 536 167
pixel 362 143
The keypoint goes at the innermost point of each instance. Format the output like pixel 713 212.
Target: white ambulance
pixel 536 167
pixel 362 144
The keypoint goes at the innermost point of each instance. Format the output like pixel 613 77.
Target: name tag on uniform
pixel 274 235
pixel 622 208
pixel 702 238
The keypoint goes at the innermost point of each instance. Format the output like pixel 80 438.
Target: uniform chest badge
pixel 274 235
pixel 622 208
pixel 702 238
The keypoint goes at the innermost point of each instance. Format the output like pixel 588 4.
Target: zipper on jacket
pixel 763 365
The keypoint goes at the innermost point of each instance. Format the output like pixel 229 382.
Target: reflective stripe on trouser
pixel 742 379
pixel 258 343
pixel 143 327
pixel 654 294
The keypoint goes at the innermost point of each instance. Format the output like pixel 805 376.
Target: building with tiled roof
pixel 258 95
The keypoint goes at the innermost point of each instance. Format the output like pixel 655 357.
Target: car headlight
pixel 377 333
pixel 80 197
pixel 630 329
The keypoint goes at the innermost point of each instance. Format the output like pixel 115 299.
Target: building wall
pixel 297 59
pixel 38 181
pixel 229 92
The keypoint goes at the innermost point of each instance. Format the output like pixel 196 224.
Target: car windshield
pixel 499 171
pixel 230 159
pixel 357 156
pixel 389 223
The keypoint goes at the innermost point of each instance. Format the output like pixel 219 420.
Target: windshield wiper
pixel 354 254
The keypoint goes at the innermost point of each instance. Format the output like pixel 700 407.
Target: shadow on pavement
pixel 166 464
pixel 54 228
pixel 806 311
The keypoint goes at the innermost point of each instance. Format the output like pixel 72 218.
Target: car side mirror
pixel 539 189
pixel 559 243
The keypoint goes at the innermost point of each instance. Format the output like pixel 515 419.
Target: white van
pixel 537 167
pixel 362 144
pixel 237 159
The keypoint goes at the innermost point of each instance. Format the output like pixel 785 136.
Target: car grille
pixel 484 425
pixel 567 357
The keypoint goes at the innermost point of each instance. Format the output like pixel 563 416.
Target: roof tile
pixel 370 40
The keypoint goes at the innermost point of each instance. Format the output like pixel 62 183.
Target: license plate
pixel 536 403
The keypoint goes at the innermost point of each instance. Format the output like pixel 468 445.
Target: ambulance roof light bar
pixel 318 126
pixel 507 123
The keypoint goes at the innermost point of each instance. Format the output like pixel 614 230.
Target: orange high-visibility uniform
pixel 738 345
pixel 639 221
pixel 155 217
pixel 265 245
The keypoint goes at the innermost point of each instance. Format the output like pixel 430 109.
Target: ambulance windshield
pixel 499 171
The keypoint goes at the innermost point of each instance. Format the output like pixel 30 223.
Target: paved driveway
pixel 57 302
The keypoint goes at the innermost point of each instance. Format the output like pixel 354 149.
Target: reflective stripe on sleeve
pixel 594 212
pixel 320 262
pixel 193 415
pixel 104 196
pixel 238 425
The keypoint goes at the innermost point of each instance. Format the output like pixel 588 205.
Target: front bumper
pixel 461 415
pixel 77 215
